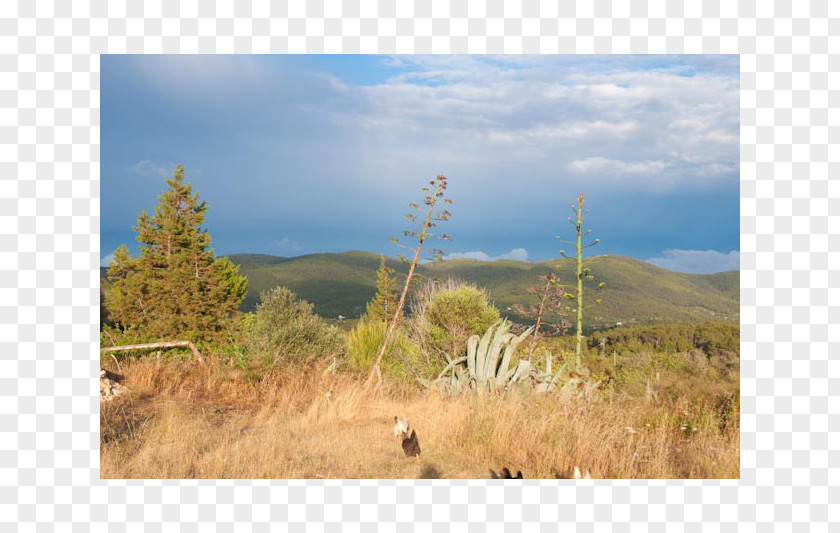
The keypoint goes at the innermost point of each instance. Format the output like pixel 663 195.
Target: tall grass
pixel 182 421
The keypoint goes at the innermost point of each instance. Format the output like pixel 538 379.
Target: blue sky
pixel 308 154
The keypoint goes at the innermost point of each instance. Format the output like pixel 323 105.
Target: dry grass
pixel 186 422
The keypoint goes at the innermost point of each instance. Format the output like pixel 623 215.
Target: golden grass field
pixel 185 421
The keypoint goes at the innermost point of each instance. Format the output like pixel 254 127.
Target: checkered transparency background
pixel 49 257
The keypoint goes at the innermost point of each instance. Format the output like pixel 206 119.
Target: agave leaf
pixel 571 386
pixel 472 346
pixel 548 359
pixel 521 370
pixel 481 355
pixel 524 335
pixel 558 374
pixel 503 368
pixel 512 342
pixel 510 373
pixel 497 355
pixel 501 337
pixel 543 387
pixel 451 366
pixel 491 384
pixel 489 367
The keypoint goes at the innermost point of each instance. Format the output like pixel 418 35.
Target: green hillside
pixel 636 292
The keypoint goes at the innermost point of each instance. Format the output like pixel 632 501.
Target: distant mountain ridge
pixel 636 292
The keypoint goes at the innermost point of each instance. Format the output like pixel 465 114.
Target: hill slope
pixel 636 292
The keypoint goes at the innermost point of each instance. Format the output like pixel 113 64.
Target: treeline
pixel 713 339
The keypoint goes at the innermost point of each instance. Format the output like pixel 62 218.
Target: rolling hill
pixel 636 292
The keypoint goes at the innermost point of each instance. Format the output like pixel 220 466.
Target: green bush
pixel 403 360
pixel 286 330
pixel 445 315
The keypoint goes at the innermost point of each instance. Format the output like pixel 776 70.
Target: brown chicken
pixel 410 445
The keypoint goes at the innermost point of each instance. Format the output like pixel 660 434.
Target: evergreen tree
pixel 384 304
pixel 175 287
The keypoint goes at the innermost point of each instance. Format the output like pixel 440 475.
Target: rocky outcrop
pixel 109 387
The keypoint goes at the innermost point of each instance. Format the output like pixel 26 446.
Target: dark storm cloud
pixel 296 150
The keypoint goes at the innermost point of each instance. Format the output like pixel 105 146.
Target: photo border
pixel 49 244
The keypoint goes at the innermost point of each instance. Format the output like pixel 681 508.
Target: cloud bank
pixel 327 150
pixel 697 261
pixel 517 254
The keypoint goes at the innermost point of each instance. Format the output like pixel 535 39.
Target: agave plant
pixel 487 367
pixel 575 384
pixel 488 362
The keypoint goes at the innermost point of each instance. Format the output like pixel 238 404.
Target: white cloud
pixel 603 165
pixel 697 261
pixel 152 169
pixel 517 254
pixel 574 130
pixel 288 245
pixel 665 120
pixel 106 261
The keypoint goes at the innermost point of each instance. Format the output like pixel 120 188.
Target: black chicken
pixel 505 474
pixel 410 445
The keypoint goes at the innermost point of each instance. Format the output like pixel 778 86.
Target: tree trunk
pixel 377 370
pixel 172 344
pixel 376 367
pixel 579 329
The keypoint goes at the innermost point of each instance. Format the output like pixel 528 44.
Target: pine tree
pixel 384 303
pixel 175 288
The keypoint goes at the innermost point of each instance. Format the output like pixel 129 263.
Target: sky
pixel 308 154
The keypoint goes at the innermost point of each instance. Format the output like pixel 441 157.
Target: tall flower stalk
pixel 583 273
pixel 434 194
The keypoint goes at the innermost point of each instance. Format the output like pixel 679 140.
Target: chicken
pixel 585 476
pixel 410 445
pixel 400 426
pixel 505 474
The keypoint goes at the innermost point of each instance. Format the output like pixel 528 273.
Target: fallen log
pixel 173 344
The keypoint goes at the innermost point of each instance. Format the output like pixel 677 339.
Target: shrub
pixel 285 329
pixel 403 359
pixel 445 315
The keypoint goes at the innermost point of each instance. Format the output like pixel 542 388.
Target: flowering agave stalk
pixel 584 273
pixel 434 193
